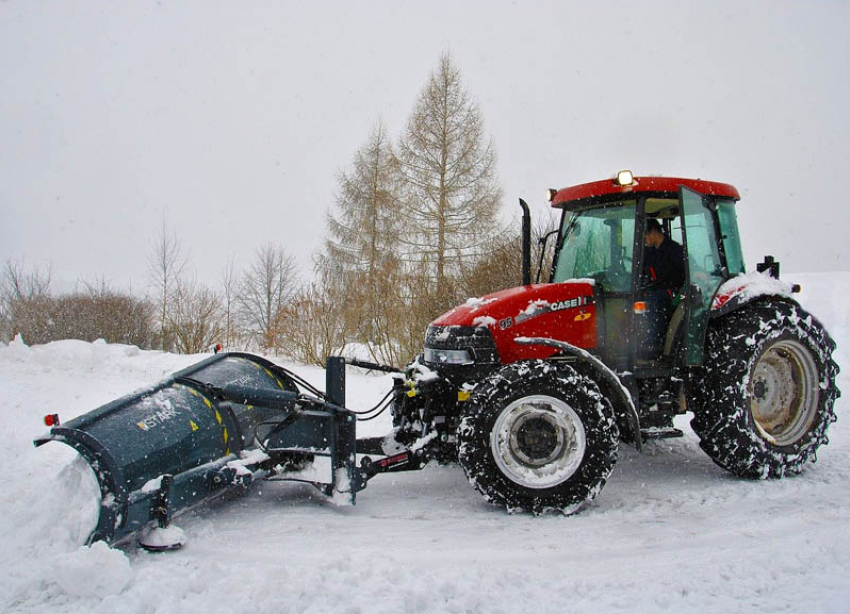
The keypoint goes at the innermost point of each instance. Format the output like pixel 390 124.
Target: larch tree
pixel 361 251
pixel 449 170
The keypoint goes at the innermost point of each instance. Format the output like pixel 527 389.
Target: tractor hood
pixel 562 311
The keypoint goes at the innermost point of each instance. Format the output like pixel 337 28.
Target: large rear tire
pixel 766 396
pixel 536 437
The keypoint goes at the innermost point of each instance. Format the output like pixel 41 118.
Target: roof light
pixel 625 178
pixel 550 194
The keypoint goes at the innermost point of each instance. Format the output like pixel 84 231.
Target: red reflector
pixel 51 419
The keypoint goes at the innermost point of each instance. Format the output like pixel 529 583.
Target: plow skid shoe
pixel 217 424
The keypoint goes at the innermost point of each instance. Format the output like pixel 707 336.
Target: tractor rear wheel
pixel 536 437
pixel 766 395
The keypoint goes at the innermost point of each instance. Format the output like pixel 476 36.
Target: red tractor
pixel 532 388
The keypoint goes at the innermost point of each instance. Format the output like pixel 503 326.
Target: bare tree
pixel 501 268
pixel 449 171
pixel 195 318
pixel 18 284
pixel 165 268
pixel 25 302
pixel 267 287
pixel 95 312
pixel 228 304
pixel 100 312
pixel 311 326
pixel 501 265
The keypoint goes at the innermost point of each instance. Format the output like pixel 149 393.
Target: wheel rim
pixel 538 441
pixel 784 392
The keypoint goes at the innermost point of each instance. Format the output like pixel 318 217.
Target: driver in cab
pixel 664 275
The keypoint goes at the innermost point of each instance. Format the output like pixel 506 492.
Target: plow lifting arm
pixel 408 460
pixel 372 366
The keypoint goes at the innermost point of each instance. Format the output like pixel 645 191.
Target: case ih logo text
pixel 539 308
pixel 576 302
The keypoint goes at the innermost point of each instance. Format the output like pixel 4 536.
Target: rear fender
pixel 743 289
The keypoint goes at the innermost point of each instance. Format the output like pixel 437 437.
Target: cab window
pixel 598 244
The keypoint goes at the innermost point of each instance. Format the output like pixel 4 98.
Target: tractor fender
pixel 738 291
pixel 622 401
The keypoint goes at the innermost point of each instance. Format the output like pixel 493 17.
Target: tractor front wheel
pixel 766 394
pixel 536 437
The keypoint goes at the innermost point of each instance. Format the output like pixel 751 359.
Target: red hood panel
pixel 564 311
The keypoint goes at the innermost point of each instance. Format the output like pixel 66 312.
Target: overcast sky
pixel 230 121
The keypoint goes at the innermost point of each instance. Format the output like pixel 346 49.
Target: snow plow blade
pixel 220 423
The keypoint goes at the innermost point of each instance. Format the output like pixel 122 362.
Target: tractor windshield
pixel 598 244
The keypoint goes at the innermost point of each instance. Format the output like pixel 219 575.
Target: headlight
pixel 448 357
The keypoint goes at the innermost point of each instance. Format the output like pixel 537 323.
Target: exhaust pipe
pixel 526 243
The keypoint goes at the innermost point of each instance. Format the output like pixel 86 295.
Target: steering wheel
pixel 648 284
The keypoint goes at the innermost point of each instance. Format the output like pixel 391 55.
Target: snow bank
pixel 96 571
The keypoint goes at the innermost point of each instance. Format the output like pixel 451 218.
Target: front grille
pixel 476 340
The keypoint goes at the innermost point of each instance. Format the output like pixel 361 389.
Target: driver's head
pixel 654 234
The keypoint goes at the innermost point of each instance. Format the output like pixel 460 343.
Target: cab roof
pixel 577 195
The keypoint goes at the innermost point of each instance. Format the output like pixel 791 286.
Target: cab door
pixel 704 270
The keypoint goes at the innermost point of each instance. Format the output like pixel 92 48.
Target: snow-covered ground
pixel 671 532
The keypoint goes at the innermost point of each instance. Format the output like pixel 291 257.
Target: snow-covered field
pixel 671 532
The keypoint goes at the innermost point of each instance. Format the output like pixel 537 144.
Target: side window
pixel 705 269
pixel 703 253
pixel 731 238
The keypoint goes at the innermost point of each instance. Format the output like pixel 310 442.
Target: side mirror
pixel 770 265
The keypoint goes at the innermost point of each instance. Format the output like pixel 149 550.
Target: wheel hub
pixel 784 392
pixel 538 441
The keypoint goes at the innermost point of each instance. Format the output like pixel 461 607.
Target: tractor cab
pixel 646 323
